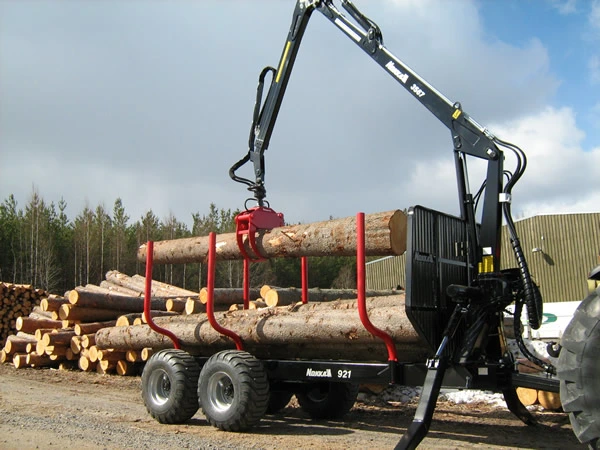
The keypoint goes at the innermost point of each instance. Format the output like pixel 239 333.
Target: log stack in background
pixel 60 332
pixel 16 300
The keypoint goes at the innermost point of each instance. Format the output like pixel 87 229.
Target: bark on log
pixel 85 297
pixel 87 328
pixel 19 360
pixel 30 324
pixel 16 344
pixel 118 289
pixel 52 303
pixel 385 234
pixel 71 312
pixel 319 328
pixel 227 296
pixel 138 283
pixel 62 337
pixel 288 296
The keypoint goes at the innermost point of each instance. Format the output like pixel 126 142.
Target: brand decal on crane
pixel 318 373
pixel 397 72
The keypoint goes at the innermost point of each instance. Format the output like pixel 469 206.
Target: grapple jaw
pixel 249 222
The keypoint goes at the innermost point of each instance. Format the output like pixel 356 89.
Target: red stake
pixel 360 285
pixel 148 294
pixel 210 287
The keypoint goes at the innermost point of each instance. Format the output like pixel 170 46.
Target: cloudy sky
pixel 151 101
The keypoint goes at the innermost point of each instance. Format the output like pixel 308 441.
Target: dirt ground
pixel 51 409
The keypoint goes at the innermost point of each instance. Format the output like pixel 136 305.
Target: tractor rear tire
pixel 327 400
pixel 233 389
pixel 169 383
pixel 579 370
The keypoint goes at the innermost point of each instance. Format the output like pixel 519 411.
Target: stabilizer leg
pixel 431 389
pixel 515 406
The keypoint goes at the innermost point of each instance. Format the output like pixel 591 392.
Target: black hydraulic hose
pixel 549 368
pixel 531 296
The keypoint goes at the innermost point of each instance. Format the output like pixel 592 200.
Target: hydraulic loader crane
pixel 456 292
pixel 467 311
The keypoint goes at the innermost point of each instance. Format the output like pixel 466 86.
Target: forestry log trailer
pixel 455 295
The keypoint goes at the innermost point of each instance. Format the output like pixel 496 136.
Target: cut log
pixel 87 340
pixel 138 283
pixel 125 368
pixel 288 296
pixel 105 367
pixel 71 312
pixel 266 288
pixel 62 337
pixel 115 288
pixel 146 353
pixel 19 360
pixel 129 319
pixel 44 360
pixel 29 324
pixel 76 345
pixel 194 306
pixel 385 234
pixel 227 296
pixel 320 328
pixel 166 289
pixel 16 344
pixel 527 396
pixel 111 355
pixel 549 400
pixel 86 364
pixel 176 305
pixel 86 328
pixel 52 303
pixel 253 304
pixel 133 356
pixel 83 297
pixel 93 353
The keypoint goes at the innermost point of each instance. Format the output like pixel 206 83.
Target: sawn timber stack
pixel 385 234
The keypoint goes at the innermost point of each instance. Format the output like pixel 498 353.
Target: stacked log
pixel 16 300
pixel 329 330
pixel 385 234
pixel 62 328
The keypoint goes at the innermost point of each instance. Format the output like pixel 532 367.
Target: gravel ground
pixel 51 409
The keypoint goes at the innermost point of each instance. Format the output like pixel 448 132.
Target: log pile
pixel 61 330
pixel 16 300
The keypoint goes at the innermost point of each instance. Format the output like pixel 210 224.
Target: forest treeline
pixel 41 246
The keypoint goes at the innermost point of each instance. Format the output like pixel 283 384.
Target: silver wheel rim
pixel 220 391
pixel 159 385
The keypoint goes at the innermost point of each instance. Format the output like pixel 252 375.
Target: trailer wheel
pixel 328 400
pixel 233 390
pixel 579 369
pixel 169 383
pixel 278 400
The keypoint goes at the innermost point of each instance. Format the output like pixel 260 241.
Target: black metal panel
pixel 436 257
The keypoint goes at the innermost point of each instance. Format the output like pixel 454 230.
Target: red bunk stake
pixel 360 285
pixel 304 263
pixel 148 294
pixel 210 287
pixel 246 283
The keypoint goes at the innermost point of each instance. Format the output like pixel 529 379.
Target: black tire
pixel 579 371
pixel 328 400
pixel 278 400
pixel 169 383
pixel 233 390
